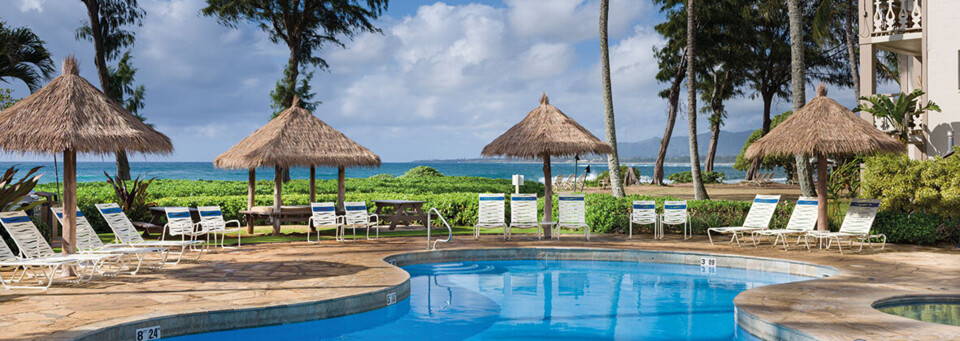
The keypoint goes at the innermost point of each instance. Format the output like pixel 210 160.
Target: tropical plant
pixel 6 99
pixel 699 191
pixel 898 115
pixel 23 57
pixel 12 192
pixel 107 19
pixel 304 26
pixel 303 91
pixel 843 182
pixel 126 93
pixel 788 163
pixel 131 197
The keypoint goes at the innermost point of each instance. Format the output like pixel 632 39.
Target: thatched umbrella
pixel 296 138
pixel 71 116
pixel 821 129
pixel 546 132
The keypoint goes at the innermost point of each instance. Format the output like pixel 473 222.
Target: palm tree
pixel 897 115
pixel 23 57
pixel 613 161
pixel 699 191
pixel 798 80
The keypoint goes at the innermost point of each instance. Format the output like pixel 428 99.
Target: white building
pixel 926 35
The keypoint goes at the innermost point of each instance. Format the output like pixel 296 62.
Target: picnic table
pixel 400 212
pixel 287 214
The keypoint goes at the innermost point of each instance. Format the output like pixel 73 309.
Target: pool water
pixel 942 313
pixel 528 299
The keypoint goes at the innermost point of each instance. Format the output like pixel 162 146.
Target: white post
pixel 518 180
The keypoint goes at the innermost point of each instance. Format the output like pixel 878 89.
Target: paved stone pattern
pixel 835 308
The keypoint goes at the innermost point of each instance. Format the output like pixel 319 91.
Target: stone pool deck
pixel 231 285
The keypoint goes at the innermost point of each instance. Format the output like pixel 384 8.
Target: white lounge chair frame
pixel 675 213
pixel 211 220
pixel 180 223
pixel 523 213
pixel 89 242
pixel 856 226
pixel 572 211
pixel 356 216
pixel 126 234
pixel 802 220
pixel 491 214
pixel 32 245
pixel 324 214
pixel 644 212
pixel 758 218
pixel 41 269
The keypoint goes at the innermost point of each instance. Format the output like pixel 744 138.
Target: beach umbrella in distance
pixel 823 128
pixel 546 132
pixel 71 116
pixel 295 138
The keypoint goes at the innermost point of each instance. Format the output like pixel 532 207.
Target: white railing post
pixel 891 17
pixel 916 15
pixel 877 17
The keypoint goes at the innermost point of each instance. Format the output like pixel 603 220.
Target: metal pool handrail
pixel 429 221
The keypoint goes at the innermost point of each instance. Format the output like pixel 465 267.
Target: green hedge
pixel 709 177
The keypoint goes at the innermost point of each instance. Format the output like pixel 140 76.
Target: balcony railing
pixel 897 17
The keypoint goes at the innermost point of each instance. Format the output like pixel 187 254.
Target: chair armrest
pixel 232 221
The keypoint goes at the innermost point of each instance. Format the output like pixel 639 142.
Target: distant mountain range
pixel 646 150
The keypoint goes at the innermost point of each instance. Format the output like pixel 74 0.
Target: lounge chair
pixel 490 214
pixel 675 213
pixel 578 183
pixel 211 220
pixel 89 242
pixel 180 223
pixel 856 226
pixel 802 220
pixel 324 214
pixel 523 213
pixel 761 212
pixel 558 181
pixel 32 245
pixel 643 213
pixel 573 214
pixel 357 217
pixel 42 269
pixel 127 235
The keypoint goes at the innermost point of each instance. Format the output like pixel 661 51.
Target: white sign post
pixel 517 182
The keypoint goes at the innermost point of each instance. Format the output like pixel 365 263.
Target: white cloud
pixel 31 5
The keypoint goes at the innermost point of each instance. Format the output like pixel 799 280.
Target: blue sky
pixel 442 81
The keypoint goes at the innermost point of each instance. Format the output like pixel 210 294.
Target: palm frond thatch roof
pixel 823 127
pixel 546 130
pixel 70 113
pixel 296 138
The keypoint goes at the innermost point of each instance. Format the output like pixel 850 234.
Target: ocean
pixel 93 171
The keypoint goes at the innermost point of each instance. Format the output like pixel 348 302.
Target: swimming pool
pixel 544 299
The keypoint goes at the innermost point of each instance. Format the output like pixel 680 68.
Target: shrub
pixel 910 186
pixel 709 177
pixel 382 177
pixel 623 173
pixel 422 171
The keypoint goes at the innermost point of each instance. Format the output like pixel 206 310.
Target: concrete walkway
pixel 835 308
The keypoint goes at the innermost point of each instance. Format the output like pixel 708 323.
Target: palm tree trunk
pixel 100 61
pixel 699 191
pixel 673 98
pixel 851 48
pixel 767 103
pixel 799 92
pixel 613 161
pixel 712 149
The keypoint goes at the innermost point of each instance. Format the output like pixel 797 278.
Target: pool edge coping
pixel 187 323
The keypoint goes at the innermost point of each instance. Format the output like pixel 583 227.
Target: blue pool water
pixel 527 299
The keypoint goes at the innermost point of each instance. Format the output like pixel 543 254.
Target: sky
pixel 441 81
